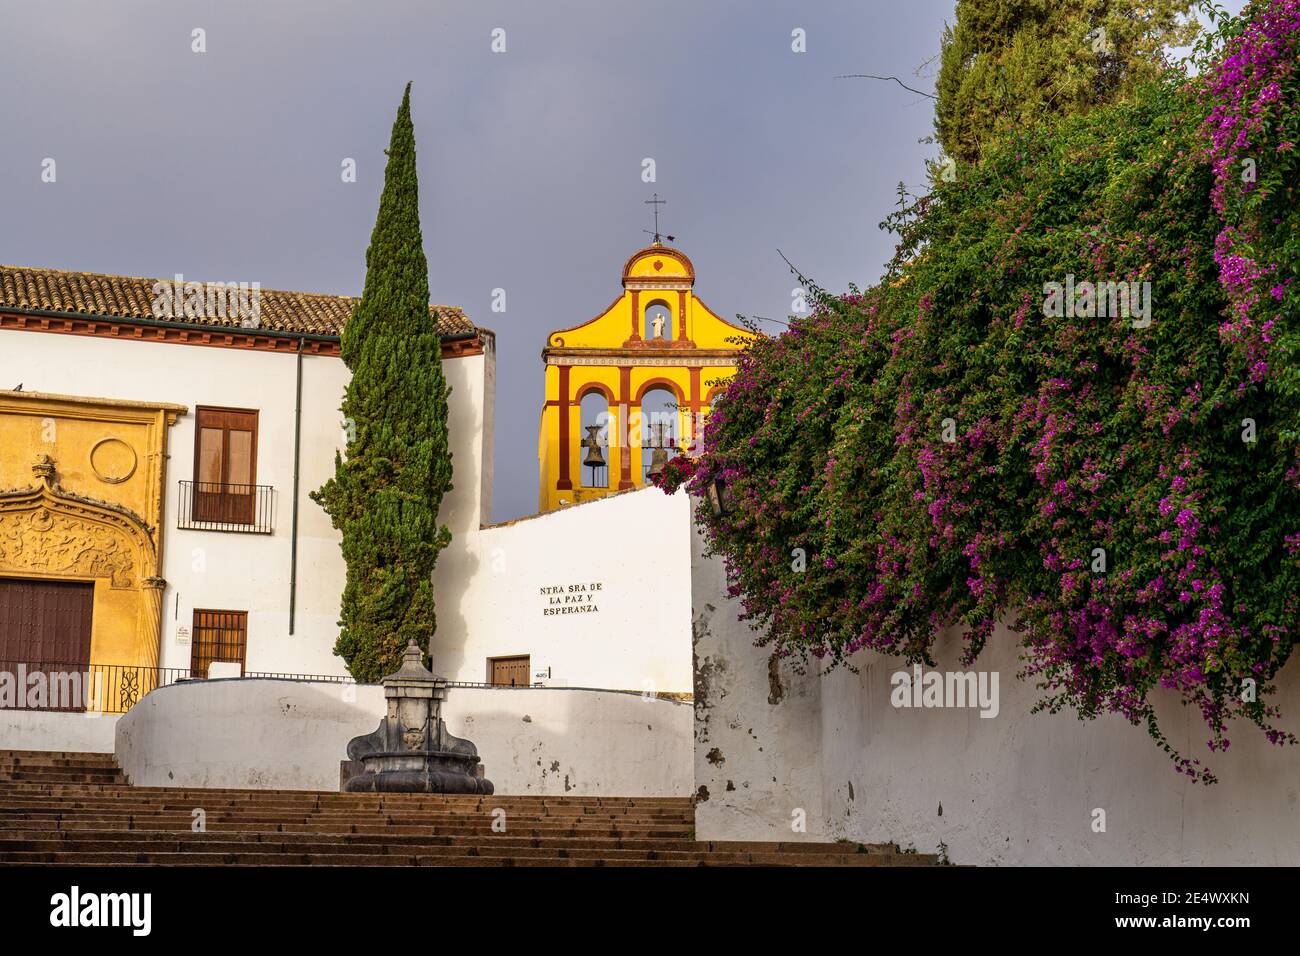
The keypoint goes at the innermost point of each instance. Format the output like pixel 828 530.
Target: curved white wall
pixel 291 735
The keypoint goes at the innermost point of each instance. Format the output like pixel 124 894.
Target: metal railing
pixel 103 688
pixel 210 506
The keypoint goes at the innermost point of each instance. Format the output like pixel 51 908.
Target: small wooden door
pixel 217 636
pixel 509 671
pixel 225 465
pixel 45 622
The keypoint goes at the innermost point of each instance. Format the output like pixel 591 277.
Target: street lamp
pixel 717 495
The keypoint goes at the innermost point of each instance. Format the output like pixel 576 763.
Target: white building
pixel 199 440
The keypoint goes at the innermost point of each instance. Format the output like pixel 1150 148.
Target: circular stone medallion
pixel 113 461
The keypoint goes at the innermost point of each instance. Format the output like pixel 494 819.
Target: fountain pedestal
pixel 412 751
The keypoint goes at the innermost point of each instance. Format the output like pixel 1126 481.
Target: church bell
pixel 595 457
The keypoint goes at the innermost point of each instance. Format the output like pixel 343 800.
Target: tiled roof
pixel 127 297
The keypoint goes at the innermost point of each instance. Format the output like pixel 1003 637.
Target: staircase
pixel 71 809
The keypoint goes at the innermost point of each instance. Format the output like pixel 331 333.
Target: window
pixel 509 671
pixel 225 467
pixel 218 636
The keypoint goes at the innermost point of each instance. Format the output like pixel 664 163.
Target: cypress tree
pixel 1007 64
pixel 384 496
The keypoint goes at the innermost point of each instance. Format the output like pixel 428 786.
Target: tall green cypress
pixel 384 496
pixel 1005 64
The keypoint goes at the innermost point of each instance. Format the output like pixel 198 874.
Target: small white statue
pixel 658 326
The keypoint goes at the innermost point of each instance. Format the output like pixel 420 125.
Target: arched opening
pixel 594 440
pixel 658 323
pixel 659 428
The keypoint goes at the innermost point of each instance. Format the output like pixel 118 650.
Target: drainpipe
pixel 297 460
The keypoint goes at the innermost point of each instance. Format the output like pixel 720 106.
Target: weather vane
pixel 656 202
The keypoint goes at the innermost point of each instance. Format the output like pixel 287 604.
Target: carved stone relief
pixel 54 543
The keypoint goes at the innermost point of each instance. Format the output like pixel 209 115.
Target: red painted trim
pixel 590 387
pixel 681 313
pixel 667 252
pixel 565 483
pixel 625 442
pixel 660 383
pixel 636 316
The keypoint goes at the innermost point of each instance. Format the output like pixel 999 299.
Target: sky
pixel 226 164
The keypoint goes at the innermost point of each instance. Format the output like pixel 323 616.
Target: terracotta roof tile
pixel 127 297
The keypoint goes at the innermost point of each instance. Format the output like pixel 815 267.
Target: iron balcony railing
pixel 209 506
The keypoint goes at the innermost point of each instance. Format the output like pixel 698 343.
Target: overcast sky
pixel 226 165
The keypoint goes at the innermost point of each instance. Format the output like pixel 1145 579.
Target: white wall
pixel 292 735
pixel 50 730
pixel 757 735
pixel 636 546
pixel 1019 788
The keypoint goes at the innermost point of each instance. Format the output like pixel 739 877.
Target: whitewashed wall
pixel 51 730
pixel 635 546
pixel 222 570
pixel 1020 788
pixel 291 735
pixel 757 732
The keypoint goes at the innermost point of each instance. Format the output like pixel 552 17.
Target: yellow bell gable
pixel 637 377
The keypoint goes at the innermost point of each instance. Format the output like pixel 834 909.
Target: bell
pixel 595 457
pixel 658 460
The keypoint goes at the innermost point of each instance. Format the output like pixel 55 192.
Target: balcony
pixel 207 506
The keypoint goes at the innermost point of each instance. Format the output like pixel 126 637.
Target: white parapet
pixel 291 735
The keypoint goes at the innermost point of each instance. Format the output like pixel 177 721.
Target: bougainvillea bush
pixel 947 449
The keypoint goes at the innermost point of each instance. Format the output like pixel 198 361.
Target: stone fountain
pixel 411 751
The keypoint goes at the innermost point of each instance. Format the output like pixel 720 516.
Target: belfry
pixel 630 388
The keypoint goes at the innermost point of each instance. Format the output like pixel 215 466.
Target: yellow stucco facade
pixel 657 337
pixel 81 500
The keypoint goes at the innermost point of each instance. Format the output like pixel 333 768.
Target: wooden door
pixel 217 636
pixel 45 622
pixel 225 465
pixel 509 671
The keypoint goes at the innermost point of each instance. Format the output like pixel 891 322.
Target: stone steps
pixel 77 810
pixel 125 840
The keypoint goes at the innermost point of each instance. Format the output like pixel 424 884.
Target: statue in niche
pixel 658 326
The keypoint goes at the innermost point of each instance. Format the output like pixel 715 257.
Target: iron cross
pixel 656 202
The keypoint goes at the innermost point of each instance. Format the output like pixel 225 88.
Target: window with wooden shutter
pixel 225 466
